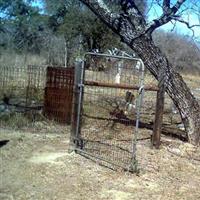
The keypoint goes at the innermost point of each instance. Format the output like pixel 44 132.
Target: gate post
pixel 157 128
pixel 77 104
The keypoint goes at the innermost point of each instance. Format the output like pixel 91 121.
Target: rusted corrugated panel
pixel 59 94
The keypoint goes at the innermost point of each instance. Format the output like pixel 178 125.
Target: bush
pixel 181 51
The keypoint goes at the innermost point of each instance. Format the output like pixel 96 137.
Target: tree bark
pixel 175 86
pixel 134 31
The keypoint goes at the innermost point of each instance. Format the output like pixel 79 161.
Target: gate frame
pixel 75 139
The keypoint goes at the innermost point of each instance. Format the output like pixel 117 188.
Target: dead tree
pixel 131 26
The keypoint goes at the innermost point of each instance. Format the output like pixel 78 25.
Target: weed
pixel 14 120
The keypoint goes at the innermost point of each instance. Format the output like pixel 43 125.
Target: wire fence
pixel 114 98
pixel 25 84
pixel 110 109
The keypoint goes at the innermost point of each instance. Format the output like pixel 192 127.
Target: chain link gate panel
pixel 107 101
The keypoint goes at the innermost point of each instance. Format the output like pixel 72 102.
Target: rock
pixel 176 151
pixel 181 127
pixel 2 108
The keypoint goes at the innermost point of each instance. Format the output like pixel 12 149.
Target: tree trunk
pixel 175 86
pixel 132 29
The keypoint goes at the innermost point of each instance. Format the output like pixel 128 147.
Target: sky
pixel 180 28
pixel 189 16
pixel 156 11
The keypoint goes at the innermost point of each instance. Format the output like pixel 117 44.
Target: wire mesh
pixel 23 84
pixel 109 109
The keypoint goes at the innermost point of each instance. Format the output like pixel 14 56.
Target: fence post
pixel 77 104
pixel 157 129
pixel 28 84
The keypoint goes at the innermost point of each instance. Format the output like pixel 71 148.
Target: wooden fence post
pixel 77 104
pixel 157 129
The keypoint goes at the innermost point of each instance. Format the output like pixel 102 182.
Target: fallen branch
pixel 166 130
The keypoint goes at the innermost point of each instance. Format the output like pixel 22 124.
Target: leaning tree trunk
pixel 135 32
pixel 175 86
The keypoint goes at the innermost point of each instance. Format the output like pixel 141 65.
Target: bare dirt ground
pixel 37 165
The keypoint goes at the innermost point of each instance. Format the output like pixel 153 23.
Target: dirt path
pixel 38 166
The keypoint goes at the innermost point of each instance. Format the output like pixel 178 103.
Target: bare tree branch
pixel 185 22
pixel 168 13
pixel 110 18
pixel 130 19
pixel 132 13
pixel 166 5
pixel 129 7
pixel 150 6
pixel 137 39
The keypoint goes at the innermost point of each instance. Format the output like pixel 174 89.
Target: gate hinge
pixel 81 85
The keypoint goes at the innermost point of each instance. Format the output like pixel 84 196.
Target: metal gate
pixel 107 100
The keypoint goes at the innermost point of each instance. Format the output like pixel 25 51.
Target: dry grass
pixel 37 165
pixel 193 81
pixel 19 60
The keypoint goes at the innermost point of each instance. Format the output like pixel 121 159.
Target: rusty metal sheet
pixel 59 77
pixel 59 94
